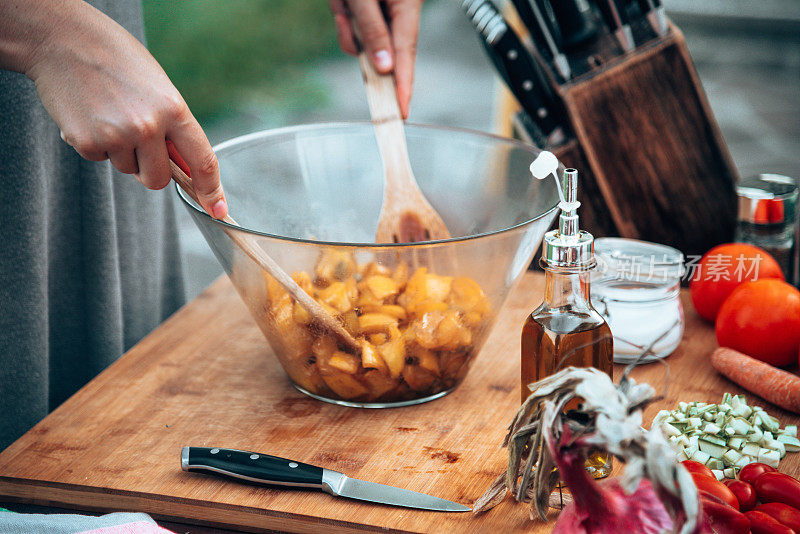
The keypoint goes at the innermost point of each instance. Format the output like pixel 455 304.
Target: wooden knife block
pixel 653 163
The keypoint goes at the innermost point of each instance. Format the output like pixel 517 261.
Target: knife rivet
pixel 527 85
pixel 254 457
pixel 293 464
pixel 214 451
pixel 512 54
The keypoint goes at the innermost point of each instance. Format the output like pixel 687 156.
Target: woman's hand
pixel 392 47
pixel 111 99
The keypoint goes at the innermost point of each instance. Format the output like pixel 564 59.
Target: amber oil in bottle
pixel 565 330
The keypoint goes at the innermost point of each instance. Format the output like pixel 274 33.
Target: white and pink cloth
pixel 117 523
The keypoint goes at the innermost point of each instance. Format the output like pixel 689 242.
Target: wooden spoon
pixel 406 215
pixel 250 246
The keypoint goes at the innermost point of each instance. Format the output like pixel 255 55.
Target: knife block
pixel 653 163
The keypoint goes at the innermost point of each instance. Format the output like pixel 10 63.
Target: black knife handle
pixel 534 25
pixel 251 466
pixel 546 8
pixel 525 83
pixel 613 14
pixel 577 21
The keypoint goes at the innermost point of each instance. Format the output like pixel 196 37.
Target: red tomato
pixel 777 487
pixel 784 513
pixel 762 319
pixel 722 518
pixel 697 467
pixel 722 269
pixel 751 472
pixel 715 488
pixel 761 523
pixel 745 494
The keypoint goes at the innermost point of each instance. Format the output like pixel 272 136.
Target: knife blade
pixel 537 16
pixel 653 11
pixel 275 471
pixel 617 21
pixel 551 23
pixel 517 68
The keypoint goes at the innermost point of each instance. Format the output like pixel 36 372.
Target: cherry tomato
pixel 697 467
pixel 723 519
pixel 777 487
pixel 745 494
pixel 761 523
pixel 722 269
pixel 751 472
pixel 784 513
pixel 715 488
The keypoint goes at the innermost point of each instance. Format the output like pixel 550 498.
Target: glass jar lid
pixel 637 261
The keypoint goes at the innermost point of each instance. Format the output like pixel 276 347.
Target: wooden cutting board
pixel 207 378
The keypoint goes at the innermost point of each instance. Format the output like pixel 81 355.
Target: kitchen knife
pixel 525 130
pixel 271 470
pixel 577 22
pixel 551 23
pixel 617 21
pixel 653 11
pixel 517 68
pixel 538 17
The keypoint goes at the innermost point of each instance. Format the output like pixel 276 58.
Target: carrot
pixel 772 384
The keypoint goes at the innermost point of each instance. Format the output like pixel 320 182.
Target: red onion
pixel 606 508
pixel 655 494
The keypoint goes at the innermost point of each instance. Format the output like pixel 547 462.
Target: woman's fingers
pixel 154 172
pixel 344 33
pixel 374 33
pixel 192 144
pixel 405 31
pixel 125 161
pixel 390 50
pixel 87 146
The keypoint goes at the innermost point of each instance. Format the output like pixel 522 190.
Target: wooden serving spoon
pixel 406 215
pixel 250 246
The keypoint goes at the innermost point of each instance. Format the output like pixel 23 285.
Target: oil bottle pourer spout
pixel 546 164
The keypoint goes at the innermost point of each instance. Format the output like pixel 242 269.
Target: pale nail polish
pixel 220 209
pixel 383 59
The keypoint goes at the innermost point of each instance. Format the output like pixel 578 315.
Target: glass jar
pixel 636 287
pixel 768 219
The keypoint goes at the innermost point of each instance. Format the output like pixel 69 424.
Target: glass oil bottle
pixel 565 330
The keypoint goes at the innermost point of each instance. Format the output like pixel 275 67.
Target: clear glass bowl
pixel 311 195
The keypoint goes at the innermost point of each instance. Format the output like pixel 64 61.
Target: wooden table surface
pixel 207 378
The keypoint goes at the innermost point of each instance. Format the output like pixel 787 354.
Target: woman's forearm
pixel 28 28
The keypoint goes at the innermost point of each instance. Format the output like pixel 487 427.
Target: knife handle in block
pixel 251 466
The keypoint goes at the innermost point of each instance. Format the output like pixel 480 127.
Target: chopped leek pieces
pixel 727 436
